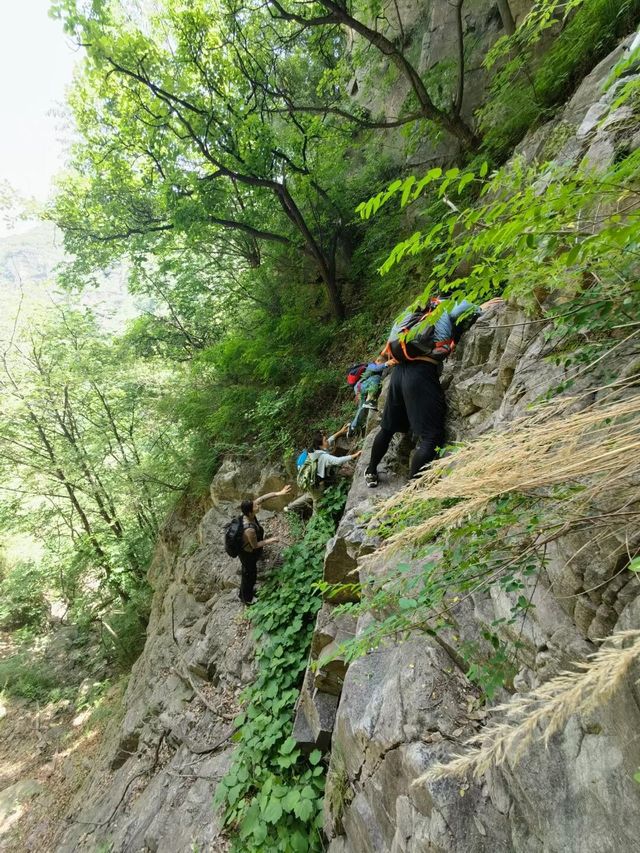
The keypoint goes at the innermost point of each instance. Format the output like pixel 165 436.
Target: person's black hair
pixel 318 440
pixel 246 507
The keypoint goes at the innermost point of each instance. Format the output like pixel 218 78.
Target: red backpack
pixel 354 373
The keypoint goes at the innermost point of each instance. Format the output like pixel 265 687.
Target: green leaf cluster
pixel 22 599
pixel 88 466
pixel 530 232
pixel 547 56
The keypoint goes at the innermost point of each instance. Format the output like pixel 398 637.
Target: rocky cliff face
pixel 153 785
pixel 406 705
pixel 389 716
pixel 428 32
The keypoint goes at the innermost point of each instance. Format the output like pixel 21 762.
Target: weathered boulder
pixel 401 703
pixel 588 779
pixel 236 480
pixel 231 482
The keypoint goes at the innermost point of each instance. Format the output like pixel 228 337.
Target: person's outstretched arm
pixel 252 539
pixel 263 498
pixel 332 438
pixel 445 325
pixel 340 460
pixel 466 306
pixel 496 300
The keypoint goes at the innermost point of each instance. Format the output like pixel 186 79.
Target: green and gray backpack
pixel 413 336
pixel 307 477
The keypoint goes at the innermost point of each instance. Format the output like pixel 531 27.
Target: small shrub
pixel 22 599
pixel 23 677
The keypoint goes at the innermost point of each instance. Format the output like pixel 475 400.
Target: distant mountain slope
pixel 28 263
pixel 30 257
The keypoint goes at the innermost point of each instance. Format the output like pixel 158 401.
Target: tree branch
pixel 457 103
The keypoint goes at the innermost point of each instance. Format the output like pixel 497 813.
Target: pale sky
pixel 36 66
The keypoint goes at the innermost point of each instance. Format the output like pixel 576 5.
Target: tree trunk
pixel 507 18
pixel 325 268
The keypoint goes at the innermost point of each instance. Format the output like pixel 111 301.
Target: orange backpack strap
pixel 444 348
pixel 406 354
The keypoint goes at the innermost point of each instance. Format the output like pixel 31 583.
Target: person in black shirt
pixel 253 542
pixel 415 402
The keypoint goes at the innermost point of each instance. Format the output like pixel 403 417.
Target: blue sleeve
pixel 444 326
pixel 461 308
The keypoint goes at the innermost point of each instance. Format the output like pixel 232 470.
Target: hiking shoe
pixel 371 407
pixel 371 479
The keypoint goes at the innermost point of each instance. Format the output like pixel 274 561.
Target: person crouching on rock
pixel 253 542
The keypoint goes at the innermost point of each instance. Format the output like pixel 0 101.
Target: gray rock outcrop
pixel 153 787
pixel 406 705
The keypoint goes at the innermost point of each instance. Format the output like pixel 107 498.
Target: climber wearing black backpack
pixel 244 538
pixel 415 402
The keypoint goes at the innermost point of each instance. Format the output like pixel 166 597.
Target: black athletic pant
pixel 249 561
pixel 415 404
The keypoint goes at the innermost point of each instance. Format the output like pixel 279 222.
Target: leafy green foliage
pixel 491 671
pixel 22 599
pixel 528 232
pixel 272 795
pixel 89 466
pixel 22 677
pixel 198 164
pixel 557 43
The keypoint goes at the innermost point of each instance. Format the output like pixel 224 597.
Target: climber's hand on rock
pixel 491 303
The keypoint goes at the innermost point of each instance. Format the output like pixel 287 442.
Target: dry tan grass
pixel 545 454
pixel 543 712
pixel 597 447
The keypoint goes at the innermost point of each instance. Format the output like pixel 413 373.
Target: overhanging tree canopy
pixel 174 141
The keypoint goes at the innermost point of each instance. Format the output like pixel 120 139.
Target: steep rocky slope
pixel 396 710
pixel 406 705
pixel 153 784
